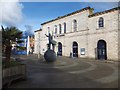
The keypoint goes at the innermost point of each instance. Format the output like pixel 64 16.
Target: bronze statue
pixel 50 54
pixel 51 41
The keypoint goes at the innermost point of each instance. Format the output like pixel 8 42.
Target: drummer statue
pixel 50 54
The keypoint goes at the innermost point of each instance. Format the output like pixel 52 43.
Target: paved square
pixel 68 73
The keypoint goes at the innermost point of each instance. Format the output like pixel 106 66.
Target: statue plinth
pixel 50 56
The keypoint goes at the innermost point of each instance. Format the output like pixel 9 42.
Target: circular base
pixel 50 56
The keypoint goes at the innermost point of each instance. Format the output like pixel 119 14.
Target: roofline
pixel 103 12
pixel 87 8
pixel 38 30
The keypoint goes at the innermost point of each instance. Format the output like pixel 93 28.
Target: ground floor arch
pixel 101 50
pixel 75 49
pixel 59 49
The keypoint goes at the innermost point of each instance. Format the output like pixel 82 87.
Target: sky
pixel 28 16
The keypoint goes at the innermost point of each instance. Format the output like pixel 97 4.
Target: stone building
pixel 83 34
pixel 37 41
pixel 32 43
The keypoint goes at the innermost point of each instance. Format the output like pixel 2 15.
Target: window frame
pixel 55 29
pixel 101 22
pixel 74 25
pixel 64 27
pixel 48 30
pixel 60 29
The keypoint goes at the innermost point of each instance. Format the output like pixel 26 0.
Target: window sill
pixel 62 35
pixel 59 35
pixel 100 28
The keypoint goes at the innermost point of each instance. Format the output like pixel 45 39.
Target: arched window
pixel 101 22
pixel 48 30
pixel 74 25
pixel 75 49
pixel 60 29
pixel 55 29
pixel 64 27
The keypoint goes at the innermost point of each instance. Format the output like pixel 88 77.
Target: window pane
pixel 55 29
pixel 60 28
pixel 64 27
pixel 75 25
pixel 101 22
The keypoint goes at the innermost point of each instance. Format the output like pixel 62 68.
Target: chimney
pixel 91 11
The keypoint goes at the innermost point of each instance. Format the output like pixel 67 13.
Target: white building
pixel 37 41
pixel 83 33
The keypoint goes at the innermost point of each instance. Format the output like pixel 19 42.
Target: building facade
pixel 32 43
pixel 83 34
pixel 37 38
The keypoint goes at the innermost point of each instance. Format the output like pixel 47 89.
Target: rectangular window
pixel 82 51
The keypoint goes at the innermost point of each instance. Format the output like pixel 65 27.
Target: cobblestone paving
pixel 68 73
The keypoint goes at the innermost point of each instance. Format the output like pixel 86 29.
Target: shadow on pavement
pixel 41 74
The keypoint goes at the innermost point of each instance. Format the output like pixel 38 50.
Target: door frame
pixel 75 49
pixel 59 53
pixel 101 50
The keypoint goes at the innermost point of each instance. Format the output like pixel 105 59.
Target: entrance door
pixel 60 49
pixel 75 49
pixel 101 50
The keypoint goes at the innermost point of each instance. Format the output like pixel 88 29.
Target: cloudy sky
pixel 29 15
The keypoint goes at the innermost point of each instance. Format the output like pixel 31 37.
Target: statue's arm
pixel 46 35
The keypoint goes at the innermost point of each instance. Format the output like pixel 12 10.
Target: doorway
pixel 59 49
pixel 75 49
pixel 101 50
